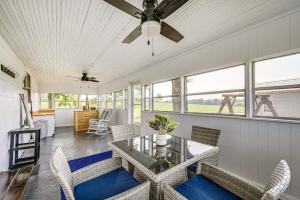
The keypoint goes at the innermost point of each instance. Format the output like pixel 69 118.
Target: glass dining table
pixel 161 164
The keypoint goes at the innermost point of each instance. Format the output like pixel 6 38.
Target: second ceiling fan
pixel 151 17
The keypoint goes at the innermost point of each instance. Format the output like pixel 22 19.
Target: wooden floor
pixel 14 183
pixel 42 184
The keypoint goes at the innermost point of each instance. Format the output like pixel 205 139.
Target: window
pixel 66 100
pixel 166 96
pixel 109 100
pixel 147 97
pixel 217 92
pixel 277 87
pixel 126 99
pixel 46 101
pixel 137 102
pixel 118 96
pixel 103 101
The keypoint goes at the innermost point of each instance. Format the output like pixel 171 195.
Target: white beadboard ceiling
pixel 57 38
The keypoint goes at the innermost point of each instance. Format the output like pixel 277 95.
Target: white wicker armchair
pixel 68 181
pixel 243 188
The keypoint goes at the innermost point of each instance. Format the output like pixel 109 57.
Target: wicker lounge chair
pixel 81 183
pixel 215 183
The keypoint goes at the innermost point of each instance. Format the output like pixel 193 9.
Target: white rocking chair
pixel 100 126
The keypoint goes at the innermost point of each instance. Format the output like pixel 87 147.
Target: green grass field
pixel 198 108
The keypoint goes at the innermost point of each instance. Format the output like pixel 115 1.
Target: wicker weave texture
pixel 60 168
pixel 123 132
pixel 278 181
pixel 205 135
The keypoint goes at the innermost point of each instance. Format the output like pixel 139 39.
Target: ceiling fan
pixel 85 78
pixel 151 18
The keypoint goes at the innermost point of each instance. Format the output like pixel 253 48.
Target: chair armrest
pixel 102 120
pixel 95 170
pixel 140 192
pixel 211 159
pixel 171 194
pixel 234 183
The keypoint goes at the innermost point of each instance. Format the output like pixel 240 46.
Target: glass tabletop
pixel 161 158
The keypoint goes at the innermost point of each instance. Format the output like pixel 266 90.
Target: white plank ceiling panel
pixel 57 38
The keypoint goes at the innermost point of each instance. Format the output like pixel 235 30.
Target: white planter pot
pixel 161 140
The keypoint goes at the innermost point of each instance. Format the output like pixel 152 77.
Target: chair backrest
pixel 61 170
pixel 123 132
pixel 205 135
pixel 278 181
pixel 106 114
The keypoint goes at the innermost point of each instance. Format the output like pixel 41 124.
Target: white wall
pixel 9 99
pixel 64 117
pixel 248 147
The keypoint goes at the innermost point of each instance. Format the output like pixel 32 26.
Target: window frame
pixel 253 88
pixel 145 98
pixel 54 101
pixel 152 97
pixel 112 100
pixel 115 100
pixel 217 92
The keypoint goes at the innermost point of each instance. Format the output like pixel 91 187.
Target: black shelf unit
pixel 16 146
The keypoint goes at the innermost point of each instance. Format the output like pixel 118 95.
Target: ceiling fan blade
pixel 126 7
pixel 93 80
pixel 133 35
pixel 167 7
pixel 170 33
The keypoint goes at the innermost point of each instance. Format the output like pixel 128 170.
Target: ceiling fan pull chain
pixel 152 47
pixel 148 34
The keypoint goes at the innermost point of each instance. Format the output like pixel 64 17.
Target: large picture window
pixel 217 92
pixel 126 99
pixel 66 100
pixel 118 97
pixel 46 101
pixel 103 101
pixel 109 100
pixel 166 96
pixel 277 87
pixel 147 97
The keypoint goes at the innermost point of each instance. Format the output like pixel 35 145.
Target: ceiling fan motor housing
pixel 150 21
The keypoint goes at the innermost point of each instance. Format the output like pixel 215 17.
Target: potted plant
pixel 163 124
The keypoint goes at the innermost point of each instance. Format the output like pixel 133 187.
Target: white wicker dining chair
pixel 69 181
pixel 243 188
pixel 123 132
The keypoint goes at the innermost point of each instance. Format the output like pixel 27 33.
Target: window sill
pixel 291 121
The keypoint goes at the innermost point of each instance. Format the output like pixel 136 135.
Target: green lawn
pixel 198 108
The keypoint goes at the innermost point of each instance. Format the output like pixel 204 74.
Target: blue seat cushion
pixel 88 160
pixel 201 188
pixel 105 186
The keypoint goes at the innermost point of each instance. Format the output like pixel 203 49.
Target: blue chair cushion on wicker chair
pixel 85 161
pixel 201 188
pixel 88 160
pixel 105 186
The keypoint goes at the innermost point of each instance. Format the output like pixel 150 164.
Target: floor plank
pixel 5 180
pixel 18 186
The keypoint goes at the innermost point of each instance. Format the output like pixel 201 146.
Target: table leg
pixel 130 168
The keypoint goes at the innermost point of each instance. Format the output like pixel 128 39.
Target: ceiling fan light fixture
pixel 151 28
